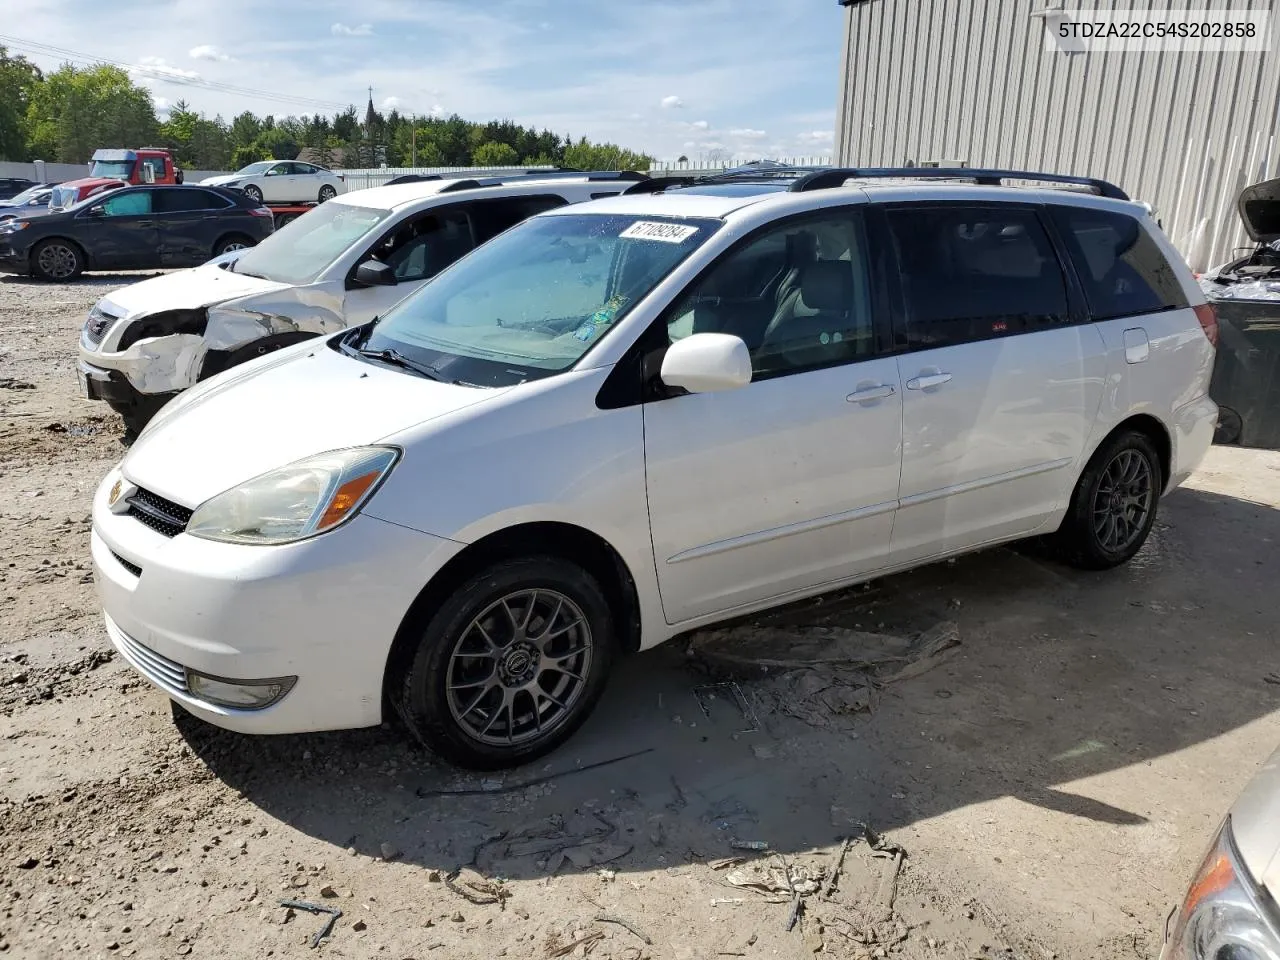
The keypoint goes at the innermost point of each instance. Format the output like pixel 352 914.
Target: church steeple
pixel 370 118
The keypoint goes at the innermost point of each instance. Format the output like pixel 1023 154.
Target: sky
pixel 757 78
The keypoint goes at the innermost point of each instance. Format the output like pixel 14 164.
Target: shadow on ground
pixel 1060 675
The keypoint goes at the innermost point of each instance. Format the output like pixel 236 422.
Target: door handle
pixel 928 380
pixel 871 391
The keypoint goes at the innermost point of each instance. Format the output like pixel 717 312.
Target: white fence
pixel 60 172
pixel 377 176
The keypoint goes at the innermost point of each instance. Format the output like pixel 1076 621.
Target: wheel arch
pixel 1155 430
pixel 565 540
pixel 233 234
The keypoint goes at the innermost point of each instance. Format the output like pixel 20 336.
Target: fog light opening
pixel 238 694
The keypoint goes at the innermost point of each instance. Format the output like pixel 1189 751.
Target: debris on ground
pixel 317 908
pixel 625 924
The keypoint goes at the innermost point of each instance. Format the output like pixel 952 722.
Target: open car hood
pixel 1259 206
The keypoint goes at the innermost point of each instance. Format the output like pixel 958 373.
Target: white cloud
pixel 437 111
pixel 672 102
pixel 155 68
pixel 746 133
pixel 700 125
pixel 817 136
pixel 207 51
pixel 163 106
pixel 390 103
pixel 342 30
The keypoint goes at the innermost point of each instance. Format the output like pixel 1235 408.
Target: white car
pixel 623 420
pixel 283 181
pixel 338 265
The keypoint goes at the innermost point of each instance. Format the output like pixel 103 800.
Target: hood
pixel 1255 824
pixel 280 408
pixel 186 290
pixel 1259 206
pixel 223 180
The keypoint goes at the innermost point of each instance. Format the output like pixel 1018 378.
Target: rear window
pixel 1121 268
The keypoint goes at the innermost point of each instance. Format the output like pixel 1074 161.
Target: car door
pixel 1002 375
pixel 187 224
pixel 119 231
pixel 416 248
pixel 306 181
pixel 278 184
pixel 791 482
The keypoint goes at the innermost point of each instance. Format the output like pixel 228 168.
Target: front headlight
pixel 164 324
pixel 295 502
pixel 1226 915
pixel 13 226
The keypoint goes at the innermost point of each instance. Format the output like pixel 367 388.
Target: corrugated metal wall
pixel 972 80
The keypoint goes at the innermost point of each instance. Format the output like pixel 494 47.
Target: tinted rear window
pixel 971 272
pixel 1121 268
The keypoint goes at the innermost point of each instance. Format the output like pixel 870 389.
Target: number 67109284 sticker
pixel 653 230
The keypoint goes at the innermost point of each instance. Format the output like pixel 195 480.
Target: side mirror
pixel 98 211
pixel 374 273
pixel 707 363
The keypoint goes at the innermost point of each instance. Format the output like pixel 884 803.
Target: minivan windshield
pixel 530 302
pixel 300 251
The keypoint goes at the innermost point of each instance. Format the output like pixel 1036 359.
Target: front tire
pixel 56 260
pixel 510 665
pixel 253 192
pixel 1114 504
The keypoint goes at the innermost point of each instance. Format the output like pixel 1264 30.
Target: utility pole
pixel 413 140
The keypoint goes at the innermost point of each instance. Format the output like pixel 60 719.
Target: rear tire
pixel 253 192
pixel 328 192
pixel 510 665
pixel 1113 506
pixel 236 241
pixel 1229 427
pixel 56 260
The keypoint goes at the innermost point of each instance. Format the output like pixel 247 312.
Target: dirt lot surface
pixel 1049 780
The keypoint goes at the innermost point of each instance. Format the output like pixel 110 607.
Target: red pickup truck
pixel 115 168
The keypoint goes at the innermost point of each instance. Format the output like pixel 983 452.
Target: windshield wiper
pixel 395 358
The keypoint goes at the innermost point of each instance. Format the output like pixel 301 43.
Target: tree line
pixel 65 115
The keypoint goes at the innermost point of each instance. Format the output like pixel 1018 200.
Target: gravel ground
pixel 1050 780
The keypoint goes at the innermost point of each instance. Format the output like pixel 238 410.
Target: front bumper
pixel 160 366
pixel 13 260
pixel 323 610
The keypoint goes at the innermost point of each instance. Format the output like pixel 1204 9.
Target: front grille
pixel 131 567
pixel 161 515
pixel 96 327
pixel 161 671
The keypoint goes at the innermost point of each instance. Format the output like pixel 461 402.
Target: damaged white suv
pixel 628 419
pixel 341 264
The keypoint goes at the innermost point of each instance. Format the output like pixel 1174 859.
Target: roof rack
pixel 838 176
pixel 658 184
pixel 475 183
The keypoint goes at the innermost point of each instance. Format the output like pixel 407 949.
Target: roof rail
pixel 659 184
pixel 837 176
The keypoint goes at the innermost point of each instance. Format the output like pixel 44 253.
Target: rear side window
pixel 1121 268
pixel 975 272
pixel 187 199
pixel 492 217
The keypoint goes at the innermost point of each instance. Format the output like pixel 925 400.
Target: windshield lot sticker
pixel 585 332
pixel 665 232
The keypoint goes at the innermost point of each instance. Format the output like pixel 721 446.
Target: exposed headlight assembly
pixel 1226 915
pixel 164 324
pixel 295 502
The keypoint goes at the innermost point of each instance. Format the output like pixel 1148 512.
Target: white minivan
pixel 340 264
pixel 626 419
